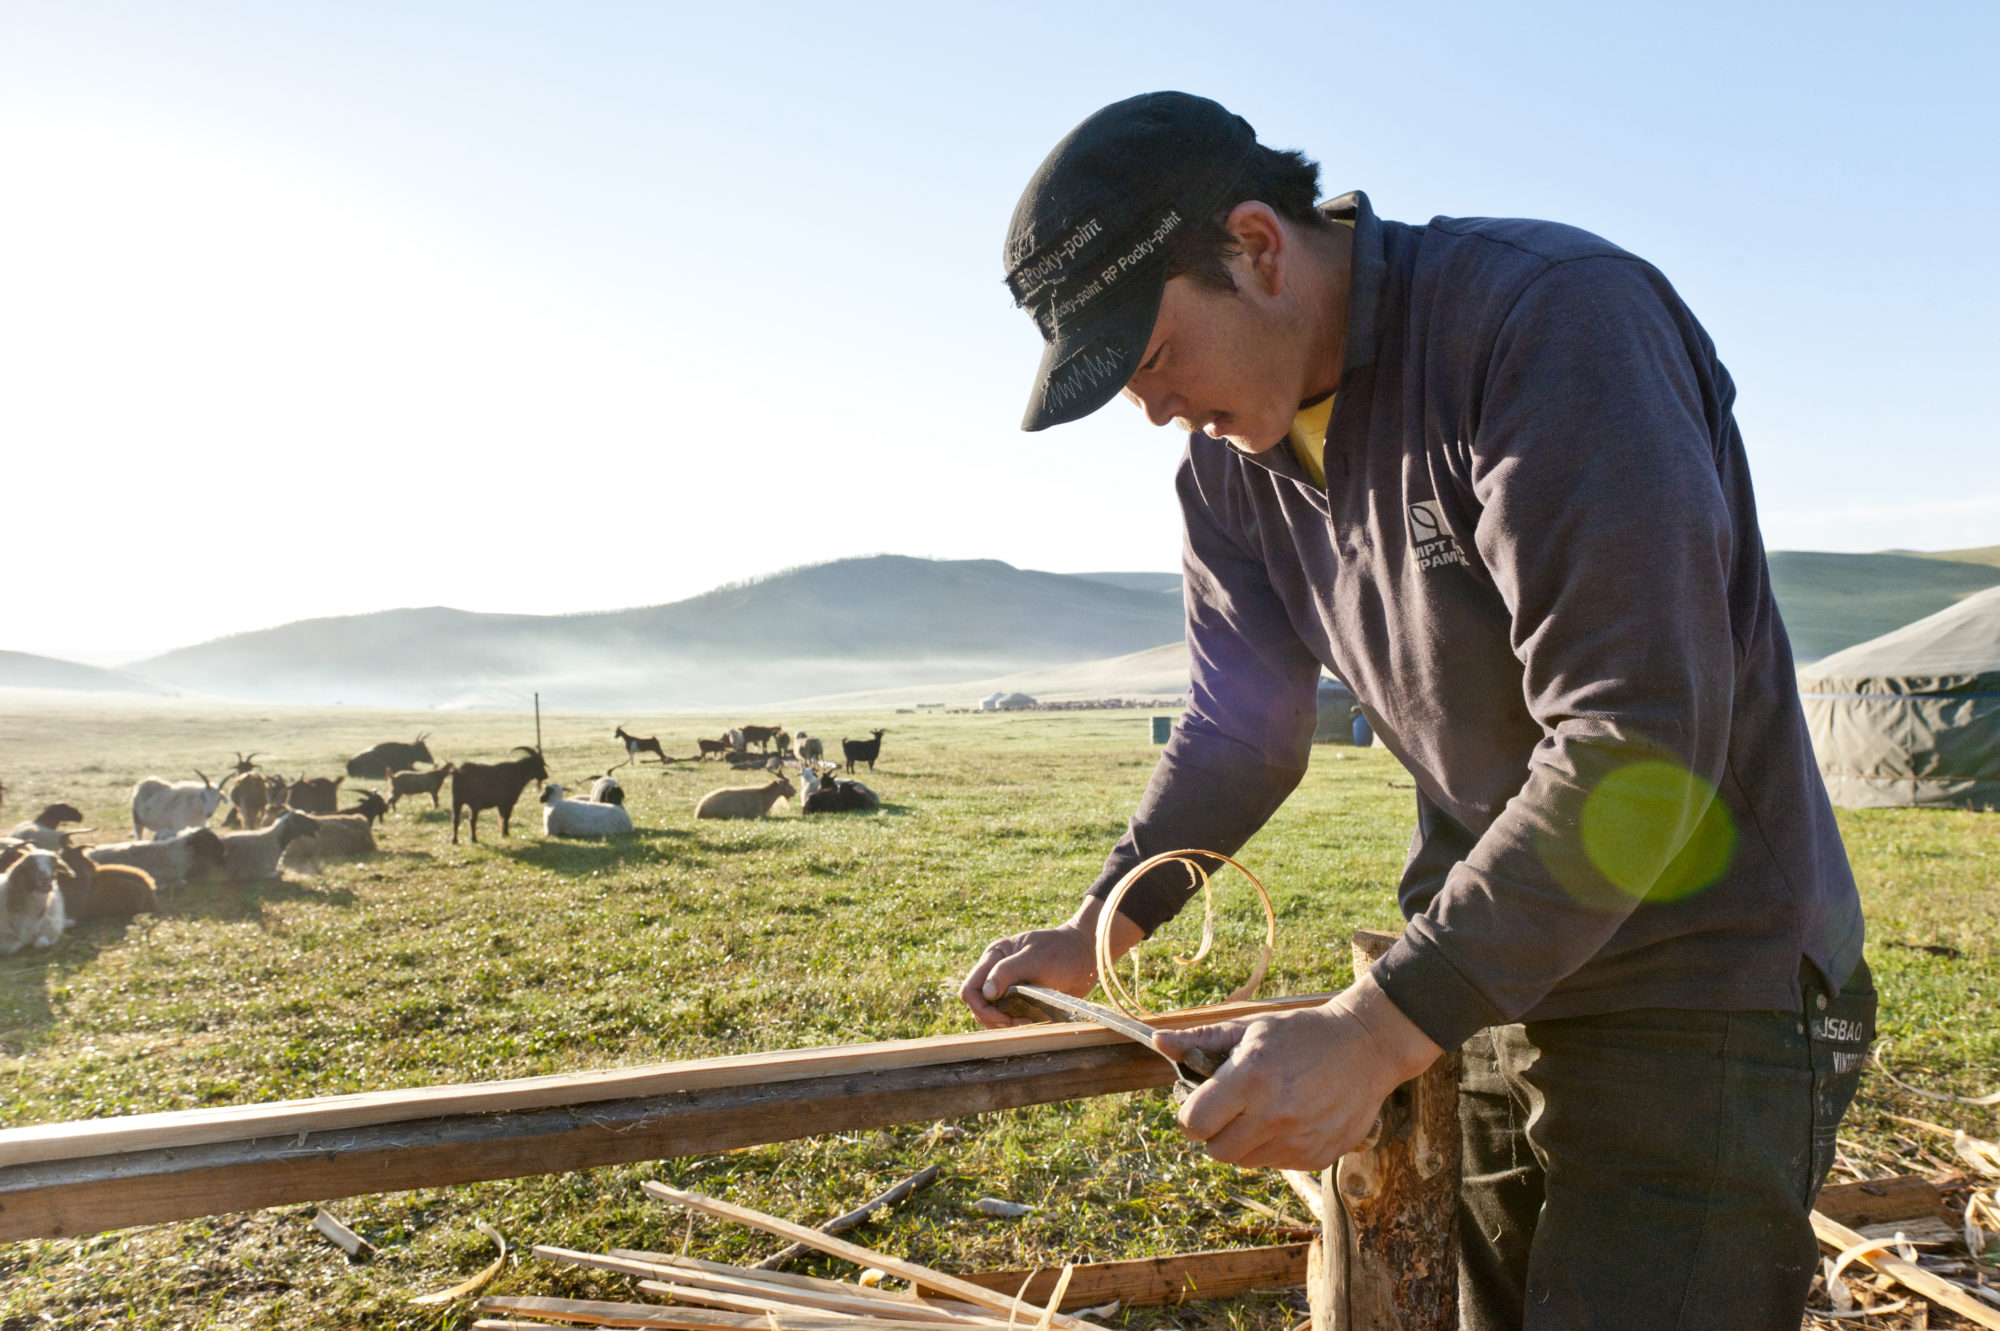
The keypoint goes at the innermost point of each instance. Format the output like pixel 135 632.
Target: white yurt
pixel 1912 717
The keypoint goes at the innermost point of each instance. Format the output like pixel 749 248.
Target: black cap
pixel 1086 253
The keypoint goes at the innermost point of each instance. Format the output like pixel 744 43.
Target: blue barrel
pixel 1363 736
pixel 1163 729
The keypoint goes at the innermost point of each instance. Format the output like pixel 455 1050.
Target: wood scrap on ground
pixel 840 1224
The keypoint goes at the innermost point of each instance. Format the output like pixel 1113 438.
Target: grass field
pixel 437 963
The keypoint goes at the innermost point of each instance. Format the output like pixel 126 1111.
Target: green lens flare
pixel 1633 824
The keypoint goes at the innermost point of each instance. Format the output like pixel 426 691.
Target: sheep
pixel 712 748
pixel 419 783
pixel 832 795
pixel 809 748
pixel 745 761
pixel 638 744
pixel 333 834
pixel 44 830
pixel 581 818
pixel 249 857
pixel 478 786
pixel 107 892
pixel 734 739
pixel 606 790
pixel 863 750
pixel 314 794
pixel 745 801
pixel 162 807
pixel 171 861
pixel 377 763
pixel 31 906
pixel 761 736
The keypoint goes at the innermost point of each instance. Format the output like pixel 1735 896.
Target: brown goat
pixel 419 783
pixel 478 786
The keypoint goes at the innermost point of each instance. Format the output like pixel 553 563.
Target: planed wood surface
pixel 604 1312
pixel 913 1272
pixel 1880 1201
pixel 1839 1238
pixel 1152 1281
pixel 683 1267
pixel 1400 1194
pixel 230 1123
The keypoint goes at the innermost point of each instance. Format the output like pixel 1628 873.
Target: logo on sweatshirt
pixel 1432 540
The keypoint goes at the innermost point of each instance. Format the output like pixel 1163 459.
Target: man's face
pixel 1230 364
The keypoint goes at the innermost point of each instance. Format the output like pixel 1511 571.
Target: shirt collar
pixel 1368 267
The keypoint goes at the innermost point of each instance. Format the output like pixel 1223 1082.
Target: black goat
pixel 370 805
pixel 479 786
pixel 863 750
pixel 375 764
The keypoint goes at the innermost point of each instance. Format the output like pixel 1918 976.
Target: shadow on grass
pixel 24 982
pixel 233 902
pixel 581 857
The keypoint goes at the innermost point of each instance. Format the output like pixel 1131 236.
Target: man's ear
pixel 1261 237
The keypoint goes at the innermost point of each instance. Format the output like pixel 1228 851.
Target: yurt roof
pixel 1956 650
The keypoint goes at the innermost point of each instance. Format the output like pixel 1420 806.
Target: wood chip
pixel 329 1224
pixel 467 1288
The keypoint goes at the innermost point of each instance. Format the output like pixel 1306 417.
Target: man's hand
pixel 1300 1089
pixel 1062 958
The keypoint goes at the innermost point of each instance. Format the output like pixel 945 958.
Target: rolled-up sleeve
pixel 1603 524
pixel 1243 744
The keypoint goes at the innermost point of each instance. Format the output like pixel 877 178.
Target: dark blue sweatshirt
pixel 1536 561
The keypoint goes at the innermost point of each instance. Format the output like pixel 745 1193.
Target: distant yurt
pixel 991 702
pixel 1014 702
pixel 1912 717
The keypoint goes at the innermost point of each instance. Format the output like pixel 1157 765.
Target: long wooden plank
pixel 1877 1201
pixel 68 1198
pixel 683 1267
pixel 1147 1282
pixel 607 1312
pixel 229 1123
pixel 1910 1276
pixel 913 1272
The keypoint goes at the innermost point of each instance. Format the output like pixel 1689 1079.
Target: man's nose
pixel 1159 407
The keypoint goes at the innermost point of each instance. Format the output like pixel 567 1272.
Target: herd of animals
pixel 49 880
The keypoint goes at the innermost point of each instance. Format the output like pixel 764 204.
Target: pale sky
pixel 321 308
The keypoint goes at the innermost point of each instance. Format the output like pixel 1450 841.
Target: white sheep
pixel 31 906
pixel 162 806
pixel 581 818
pixel 249 857
pixel 170 861
pixel 606 790
pixel 745 801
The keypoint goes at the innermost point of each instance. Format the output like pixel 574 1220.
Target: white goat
pixel 168 807
pixel 581 818
pixel 170 861
pixel 31 907
pixel 249 857
pixel 745 801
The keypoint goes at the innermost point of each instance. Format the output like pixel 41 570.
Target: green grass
pixel 432 963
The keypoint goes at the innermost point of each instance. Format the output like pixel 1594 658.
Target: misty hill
pixel 1139 582
pixel 21 670
pixel 1833 601
pixel 832 628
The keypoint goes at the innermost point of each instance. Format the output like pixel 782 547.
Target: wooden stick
pixel 840 1224
pixel 1155 1281
pixel 601 1312
pixel 1912 1277
pixel 703 1112
pixel 234 1123
pixel 689 1269
pixel 857 1302
pixel 853 1252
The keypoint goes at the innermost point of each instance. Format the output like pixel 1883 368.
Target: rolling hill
pixel 1832 601
pixel 22 670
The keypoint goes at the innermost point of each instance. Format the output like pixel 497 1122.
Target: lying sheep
pixel 170 861
pixel 581 818
pixel 107 892
pixel 335 834
pixel 250 857
pixel 606 790
pixel 31 907
pixel 44 831
pixel 745 801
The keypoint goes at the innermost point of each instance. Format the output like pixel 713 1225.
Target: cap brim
pixel 1083 368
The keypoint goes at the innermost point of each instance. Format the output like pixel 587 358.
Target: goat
pixel 419 783
pixel 745 801
pixel 162 807
pixel 606 790
pixel 248 800
pixel 581 818
pixel 314 794
pixel 638 744
pixel 809 748
pixel 249 857
pixel 375 764
pixel 716 748
pixel 734 739
pixel 863 750
pixel 478 786
pixel 31 906
pixel 44 830
pixel 333 834
pixel 761 736
pixel 368 805
pixel 832 795
pixel 782 743
pixel 169 862
pixel 745 761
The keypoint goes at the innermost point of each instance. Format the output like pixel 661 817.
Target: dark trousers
pixel 1653 1168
